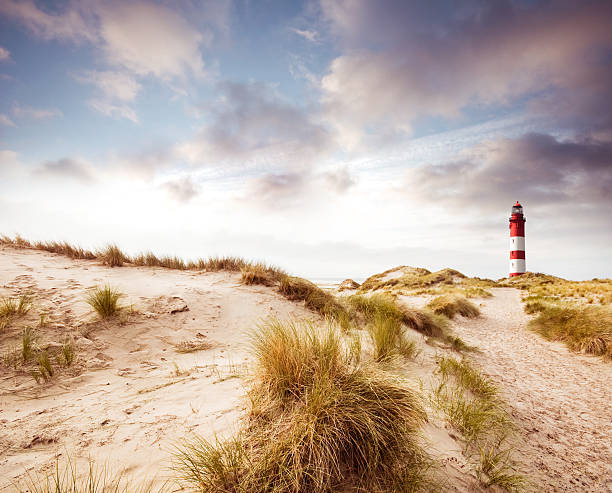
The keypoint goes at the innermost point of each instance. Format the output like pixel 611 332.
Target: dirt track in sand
pixel 562 401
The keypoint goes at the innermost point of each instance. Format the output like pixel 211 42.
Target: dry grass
pixel 317 423
pixel 595 291
pixel 192 346
pixel 105 301
pixel 298 289
pixel 70 479
pixel 584 329
pixel 450 306
pixel 261 274
pixel 376 305
pixel 473 407
pixel 112 256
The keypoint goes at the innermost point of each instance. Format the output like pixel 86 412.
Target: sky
pixel 333 138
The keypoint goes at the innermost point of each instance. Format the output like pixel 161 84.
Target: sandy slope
pixel 130 397
pixel 126 405
pixel 562 401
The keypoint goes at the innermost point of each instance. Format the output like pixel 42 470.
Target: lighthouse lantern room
pixel 517 241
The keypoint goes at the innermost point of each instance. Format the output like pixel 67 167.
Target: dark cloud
pixel 535 168
pixel 67 168
pixel 181 190
pixel 407 60
pixel 252 121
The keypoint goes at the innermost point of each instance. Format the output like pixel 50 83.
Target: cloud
pixel 340 180
pixel 151 39
pixel 71 25
pixel 251 124
pixel 536 169
pixel 4 54
pixel 67 168
pixel 29 113
pixel 283 190
pixel 145 38
pixel 181 190
pixel 6 121
pixel 404 61
pixel 115 91
pixel 307 34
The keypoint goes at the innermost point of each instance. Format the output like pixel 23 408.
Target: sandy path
pixel 562 401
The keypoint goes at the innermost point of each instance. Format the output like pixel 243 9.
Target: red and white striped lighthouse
pixel 517 241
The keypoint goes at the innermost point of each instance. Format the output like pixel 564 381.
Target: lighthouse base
pixel 514 274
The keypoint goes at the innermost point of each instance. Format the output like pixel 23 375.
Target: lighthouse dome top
pixel 517 208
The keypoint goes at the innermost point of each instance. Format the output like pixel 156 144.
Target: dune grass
pixel 584 329
pixel 28 343
pixel 376 305
pixel 473 407
pixel 260 273
pixel 298 289
pixel 105 301
pixel 450 306
pixel 112 256
pixel 71 478
pixel 317 423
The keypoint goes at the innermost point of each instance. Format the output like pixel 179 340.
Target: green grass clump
pixel 28 343
pixel 472 405
pixel 450 306
pixel 377 305
pixel 11 307
pixel 584 329
pixel 45 368
pixel 68 353
pixel 467 377
pixel 318 423
pixel 385 323
pixel 112 256
pixel 105 301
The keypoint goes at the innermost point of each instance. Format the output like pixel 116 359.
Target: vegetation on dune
pixel 105 301
pixel 261 274
pixel 472 405
pixel 318 423
pixel 418 281
pixel 595 291
pixel 112 256
pixel 70 479
pixel 584 329
pixel 298 289
pixel 574 312
pixel 453 305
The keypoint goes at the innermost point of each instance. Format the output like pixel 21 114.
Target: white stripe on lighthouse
pixel 517 266
pixel 517 243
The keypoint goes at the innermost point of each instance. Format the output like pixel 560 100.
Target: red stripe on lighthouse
pixel 517 241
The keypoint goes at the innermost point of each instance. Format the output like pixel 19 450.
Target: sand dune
pixel 131 396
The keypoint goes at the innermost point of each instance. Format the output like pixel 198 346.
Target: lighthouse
pixel 517 241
